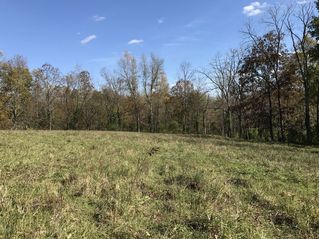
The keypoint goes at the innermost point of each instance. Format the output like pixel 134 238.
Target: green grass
pixel 128 185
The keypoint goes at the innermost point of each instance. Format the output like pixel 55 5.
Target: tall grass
pixel 127 185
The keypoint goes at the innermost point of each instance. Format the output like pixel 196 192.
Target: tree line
pixel 267 89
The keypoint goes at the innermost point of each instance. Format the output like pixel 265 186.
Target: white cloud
pixel 135 41
pixel 254 9
pixel 302 1
pixel 160 20
pixel 1 53
pixel 88 39
pixel 98 18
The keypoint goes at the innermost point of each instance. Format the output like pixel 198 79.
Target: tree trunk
pixel 271 131
pixel 282 134
pixel 138 127
pixel 184 123
pixel 50 120
pixel 230 123
pixel 223 124
pixel 204 123
pixel 307 112
pixel 197 123
pixel 151 119
pixel 317 108
pixel 240 129
pixel 118 115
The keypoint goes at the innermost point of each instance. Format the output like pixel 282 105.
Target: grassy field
pixel 128 185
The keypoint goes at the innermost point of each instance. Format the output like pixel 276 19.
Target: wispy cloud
pixel 194 23
pixel 182 40
pixel 171 44
pixel 1 52
pixel 254 9
pixel 135 41
pixel 98 18
pixel 302 1
pixel 160 20
pixel 187 39
pixel 88 39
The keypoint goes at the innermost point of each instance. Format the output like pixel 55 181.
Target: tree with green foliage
pixel 15 87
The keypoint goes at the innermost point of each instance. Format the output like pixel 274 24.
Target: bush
pixel 174 127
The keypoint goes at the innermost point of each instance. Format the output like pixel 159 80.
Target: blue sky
pixel 94 34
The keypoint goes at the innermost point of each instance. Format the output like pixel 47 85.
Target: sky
pixel 94 34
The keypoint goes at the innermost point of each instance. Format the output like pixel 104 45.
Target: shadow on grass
pixel 236 142
pixel 277 215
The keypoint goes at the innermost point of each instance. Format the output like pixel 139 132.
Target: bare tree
pixel 272 50
pixel 223 74
pixel 298 24
pixel 49 79
pixel 186 87
pixel 129 74
pixel 113 90
pixel 151 75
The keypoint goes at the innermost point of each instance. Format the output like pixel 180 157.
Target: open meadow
pixel 128 185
